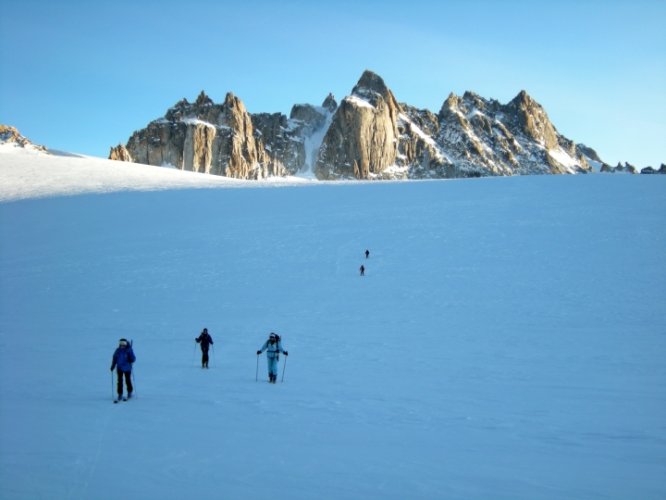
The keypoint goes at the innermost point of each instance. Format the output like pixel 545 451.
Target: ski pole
pixel 194 353
pixel 113 396
pixel 256 376
pixel 284 368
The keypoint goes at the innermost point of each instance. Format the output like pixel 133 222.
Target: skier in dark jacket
pixel 123 358
pixel 273 348
pixel 205 340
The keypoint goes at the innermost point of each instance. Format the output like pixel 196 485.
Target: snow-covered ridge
pixel 31 173
pixel 11 137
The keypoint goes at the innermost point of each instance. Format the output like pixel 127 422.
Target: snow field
pixel 507 341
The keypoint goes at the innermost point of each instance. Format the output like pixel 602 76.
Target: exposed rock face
pixel 363 136
pixel 419 154
pixel 120 153
pixel 484 137
pixel 589 153
pixel 369 135
pixel 373 136
pixel 281 144
pixel 619 169
pixel 206 137
pixel 9 134
pixel 330 104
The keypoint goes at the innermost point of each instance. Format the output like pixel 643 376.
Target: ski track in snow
pixel 507 341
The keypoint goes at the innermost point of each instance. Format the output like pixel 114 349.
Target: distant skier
pixel 362 269
pixel 123 358
pixel 273 348
pixel 205 340
pixel 367 254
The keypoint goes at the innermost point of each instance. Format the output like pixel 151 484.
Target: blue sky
pixel 82 76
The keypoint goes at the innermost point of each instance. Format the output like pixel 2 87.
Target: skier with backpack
pixel 205 340
pixel 273 348
pixel 123 357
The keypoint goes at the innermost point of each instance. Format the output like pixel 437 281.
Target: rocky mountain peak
pixel 362 140
pixel 231 101
pixel 473 99
pixel 371 87
pixel 522 99
pixel 367 135
pixel 533 120
pixel 474 102
pixel 9 134
pixel 233 106
pixel 203 100
pixel 370 82
pixel 177 111
pixel 589 152
pixel 330 103
pixel 120 153
pixel 204 137
pixel 451 102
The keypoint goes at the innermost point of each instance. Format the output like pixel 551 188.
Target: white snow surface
pixel 358 101
pixel 26 173
pixel 197 121
pixel 564 159
pixel 507 341
pixel 312 144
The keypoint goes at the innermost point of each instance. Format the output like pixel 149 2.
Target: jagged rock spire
pixel 372 82
pixel 362 139
pixel 120 153
pixel 533 119
pixel 329 103
pixel 203 100
pixel 367 135
pixel 371 87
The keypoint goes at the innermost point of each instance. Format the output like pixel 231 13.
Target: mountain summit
pixel 369 135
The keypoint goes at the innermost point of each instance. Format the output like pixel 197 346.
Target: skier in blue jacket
pixel 123 358
pixel 273 348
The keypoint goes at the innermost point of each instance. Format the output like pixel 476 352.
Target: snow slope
pixel 28 173
pixel 507 341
